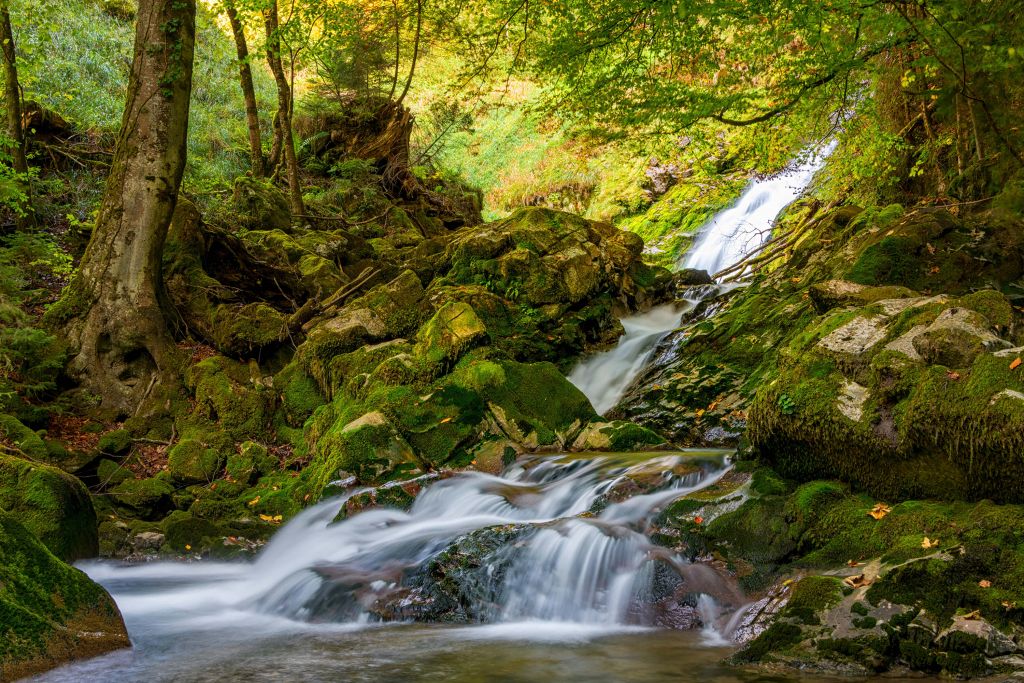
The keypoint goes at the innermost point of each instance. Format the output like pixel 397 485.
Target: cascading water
pixel 721 242
pixel 746 225
pixel 606 375
pixel 554 546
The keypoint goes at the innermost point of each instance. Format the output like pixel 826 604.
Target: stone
pixel 956 338
pixel 50 612
pixel 851 400
pixel 52 504
pixel 975 635
pixel 148 540
pixel 852 341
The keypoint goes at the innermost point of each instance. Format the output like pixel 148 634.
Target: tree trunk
pixel 113 308
pixel 284 108
pixel 252 116
pixel 12 96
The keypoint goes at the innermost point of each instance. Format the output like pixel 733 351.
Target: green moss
pixel 991 304
pixel 811 595
pixel 52 504
pixel 250 463
pixel 228 393
pixel 190 460
pixel 27 441
pixel 186 533
pixel 147 498
pixel 116 442
pixel 626 436
pixel 775 638
pixel 46 605
pixel 111 473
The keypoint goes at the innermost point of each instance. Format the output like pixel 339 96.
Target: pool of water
pixel 509 653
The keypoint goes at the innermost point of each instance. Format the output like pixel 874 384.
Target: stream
pixel 562 580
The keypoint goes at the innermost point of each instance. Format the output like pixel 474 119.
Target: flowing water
pixel 746 225
pixel 721 242
pixel 563 557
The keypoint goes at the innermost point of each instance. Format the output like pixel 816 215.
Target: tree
pixel 12 96
pixel 114 306
pixel 645 65
pixel 284 107
pixel 248 91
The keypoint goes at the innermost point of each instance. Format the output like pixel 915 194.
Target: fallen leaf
pixel 698 520
pixel 446 420
pixel 973 616
pixel 953 375
pixel 254 501
pixel 985 583
pixel 930 248
pixel 928 543
pixel 880 510
pixel 1015 364
pixel 858 581
pixel 1009 605
pixel 852 563
pixel 188 547
pixel 934 270
pixel 278 518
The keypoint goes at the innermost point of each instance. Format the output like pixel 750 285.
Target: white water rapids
pixel 572 560
pixel 721 242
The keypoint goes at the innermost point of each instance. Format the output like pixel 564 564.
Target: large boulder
pixel 913 397
pixel 50 613
pixel 52 504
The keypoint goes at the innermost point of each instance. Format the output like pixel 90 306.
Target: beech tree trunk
pixel 284 108
pixel 125 353
pixel 12 97
pixel 252 116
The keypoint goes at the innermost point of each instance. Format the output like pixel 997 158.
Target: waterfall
pixel 605 376
pixel 743 227
pixel 721 242
pixel 572 549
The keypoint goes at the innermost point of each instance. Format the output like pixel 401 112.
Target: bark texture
pixel 252 117
pixel 284 108
pixel 12 97
pixel 114 312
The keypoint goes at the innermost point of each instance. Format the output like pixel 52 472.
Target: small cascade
pixel 743 227
pixel 605 376
pixel 723 241
pixel 554 539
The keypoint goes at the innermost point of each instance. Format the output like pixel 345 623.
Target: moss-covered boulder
pixel 908 398
pixel 27 441
pixel 453 330
pixel 50 613
pixel 52 504
pixel 260 205
pixel 191 461
pixel 250 463
pixel 233 395
pixel 144 498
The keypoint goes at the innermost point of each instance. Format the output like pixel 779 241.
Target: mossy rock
pixel 147 498
pixel 191 461
pixel 299 395
pixel 52 504
pixel 248 329
pixel 26 440
pixel 50 613
pixel 187 533
pixel 233 395
pixel 250 463
pixel 260 205
pixel 452 331
pixel 111 473
pixel 369 447
pixel 116 442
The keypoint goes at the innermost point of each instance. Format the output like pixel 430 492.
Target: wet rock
pixel 688 277
pixel 969 635
pixel 148 540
